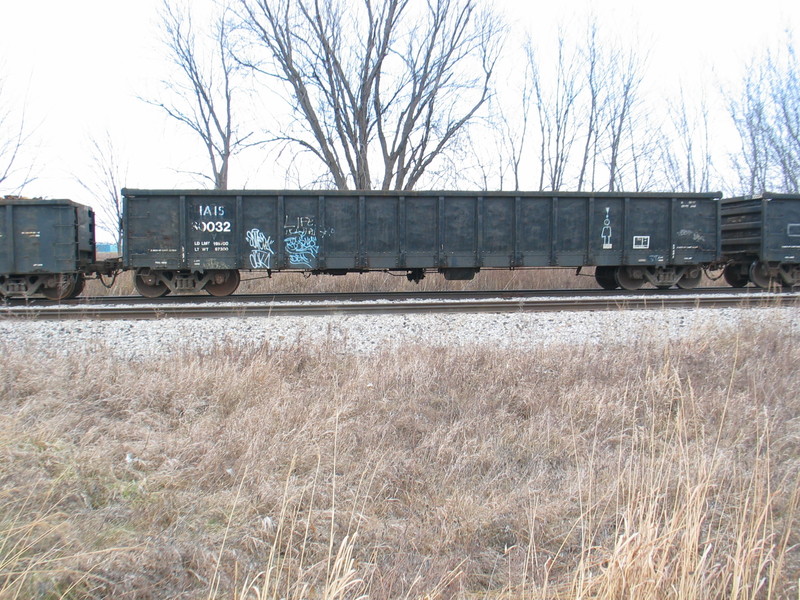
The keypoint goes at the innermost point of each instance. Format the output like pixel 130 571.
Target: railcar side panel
pixel 340 233
pixel 497 231
pixel 300 236
pixel 45 236
pixel 211 232
pixel 153 235
pixel 534 232
pixel 782 230
pixel 259 224
pixel 382 229
pixel 357 231
pixel 648 226
pixel 606 231
pixel 459 225
pixel 571 231
pixel 6 240
pixel 421 231
pixel 45 239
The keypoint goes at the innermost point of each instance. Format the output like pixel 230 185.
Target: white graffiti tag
pixel 261 255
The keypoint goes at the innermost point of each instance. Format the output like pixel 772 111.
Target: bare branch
pixel 686 153
pixel 202 95
pixel 105 185
pixel 13 138
pixel 379 91
pixel 588 114
pixel 766 112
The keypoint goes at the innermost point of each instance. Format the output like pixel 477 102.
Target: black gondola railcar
pixel 189 240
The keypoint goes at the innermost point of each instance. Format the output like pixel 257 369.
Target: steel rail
pixel 375 296
pixel 508 305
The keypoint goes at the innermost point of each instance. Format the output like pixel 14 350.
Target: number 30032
pixel 213 226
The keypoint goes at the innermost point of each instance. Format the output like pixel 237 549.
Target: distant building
pixel 107 248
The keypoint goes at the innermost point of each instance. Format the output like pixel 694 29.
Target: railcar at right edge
pixel 760 239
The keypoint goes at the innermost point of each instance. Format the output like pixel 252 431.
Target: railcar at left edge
pixel 47 247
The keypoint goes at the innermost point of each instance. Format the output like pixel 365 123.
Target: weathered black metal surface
pixel 45 236
pixel 764 227
pixel 335 231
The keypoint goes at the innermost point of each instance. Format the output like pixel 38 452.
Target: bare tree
pixel 766 112
pixel 496 142
pixel 13 137
pixel 785 132
pixel 626 77
pixel 594 89
pixel 515 135
pixel 749 113
pixel 202 95
pixel 592 132
pixel 686 151
pixel 640 172
pixel 105 185
pixel 378 90
pixel 557 113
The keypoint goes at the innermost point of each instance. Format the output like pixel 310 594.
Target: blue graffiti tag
pixel 301 242
pixel 301 248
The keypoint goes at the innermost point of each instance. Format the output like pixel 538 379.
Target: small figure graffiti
pixel 261 255
pixel 301 242
pixel 606 233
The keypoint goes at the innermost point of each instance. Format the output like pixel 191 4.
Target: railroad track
pixel 402 303
pixel 380 296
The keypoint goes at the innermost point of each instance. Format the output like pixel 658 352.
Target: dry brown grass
pixel 574 472
pixel 299 283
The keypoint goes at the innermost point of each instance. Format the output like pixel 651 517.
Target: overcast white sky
pixel 77 66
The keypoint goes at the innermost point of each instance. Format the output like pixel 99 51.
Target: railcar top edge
pixel 133 192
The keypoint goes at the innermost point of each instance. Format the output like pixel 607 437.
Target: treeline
pixel 395 94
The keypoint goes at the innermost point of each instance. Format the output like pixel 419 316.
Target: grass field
pixel 647 471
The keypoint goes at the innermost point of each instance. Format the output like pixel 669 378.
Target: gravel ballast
pixel 364 334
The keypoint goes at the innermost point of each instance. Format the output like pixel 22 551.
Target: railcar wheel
pixel 691 278
pixel 734 277
pixel 80 284
pixel 790 276
pixel 627 278
pixel 223 283
pixel 604 276
pixel 759 274
pixel 150 286
pixel 61 287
